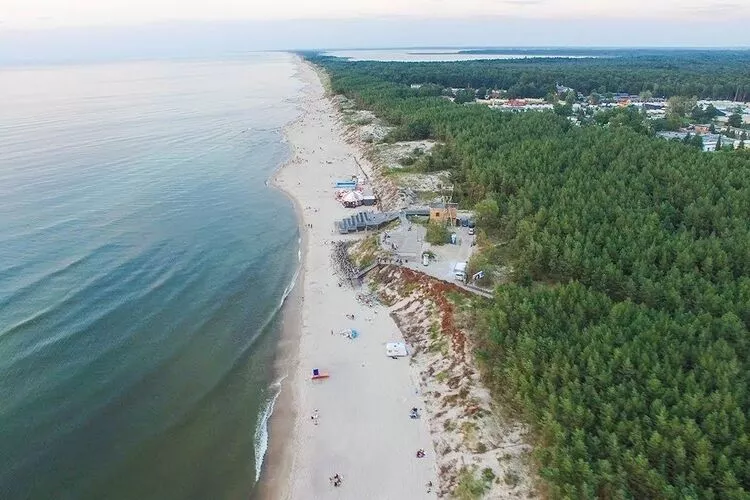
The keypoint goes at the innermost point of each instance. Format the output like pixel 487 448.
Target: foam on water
pixel 261 431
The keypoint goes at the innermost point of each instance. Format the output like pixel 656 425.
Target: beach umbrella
pixel 352 197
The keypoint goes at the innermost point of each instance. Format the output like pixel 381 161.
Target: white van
pixel 459 272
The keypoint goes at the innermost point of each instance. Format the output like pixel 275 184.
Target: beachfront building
pixel 443 213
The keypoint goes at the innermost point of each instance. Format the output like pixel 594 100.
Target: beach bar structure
pixel 443 213
pixel 345 184
pixel 368 197
pixel 362 221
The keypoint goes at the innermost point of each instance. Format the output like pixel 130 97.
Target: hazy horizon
pixel 211 39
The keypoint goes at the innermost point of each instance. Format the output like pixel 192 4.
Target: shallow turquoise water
pixel 142 263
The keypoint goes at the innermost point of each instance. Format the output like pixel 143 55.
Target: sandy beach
pixel 362 431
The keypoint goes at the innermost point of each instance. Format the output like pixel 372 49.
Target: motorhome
pixel 459 271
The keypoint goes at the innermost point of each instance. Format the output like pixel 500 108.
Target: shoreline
pixel 277 461
pixel 364 432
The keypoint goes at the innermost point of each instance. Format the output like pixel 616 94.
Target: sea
pixel 144 260
pixel 444 55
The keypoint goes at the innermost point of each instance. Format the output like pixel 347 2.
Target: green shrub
pixel 469 487
pixel 407 161
pixel 437 234
pixel 488 475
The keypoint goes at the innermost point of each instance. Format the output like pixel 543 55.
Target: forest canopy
pixel 703 74
pixel 623 338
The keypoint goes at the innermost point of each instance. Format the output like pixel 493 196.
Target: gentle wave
pixel 144 268
pixel 210 313
pixel 261 430
pixel 293 282
pixel 40 282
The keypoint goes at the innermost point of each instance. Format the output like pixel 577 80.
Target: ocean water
pixel 143 262
pixel 434 55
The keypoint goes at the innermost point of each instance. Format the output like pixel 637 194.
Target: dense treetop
pixel 704 74
pixel 624 336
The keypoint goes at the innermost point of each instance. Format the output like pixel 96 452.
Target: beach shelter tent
pixel 395 349
pixel 352 197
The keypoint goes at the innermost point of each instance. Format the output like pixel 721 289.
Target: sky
pixel 41 14
pixel 35 30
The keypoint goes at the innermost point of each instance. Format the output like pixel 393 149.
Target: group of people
pixel 420 453
pixel 314 417
pixel 336 480
pixel 414 413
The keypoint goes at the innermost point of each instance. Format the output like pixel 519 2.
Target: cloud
pixel 720 8
pixel 45 14
pixel 522 3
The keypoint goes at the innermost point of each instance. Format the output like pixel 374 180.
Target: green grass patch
pixel 488 475
pixel 469 487
pixel 365 252
pixel 395 171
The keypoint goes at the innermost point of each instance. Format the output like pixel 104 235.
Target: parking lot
pixel 408 247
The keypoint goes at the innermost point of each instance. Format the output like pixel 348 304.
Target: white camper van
pixel 459 272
